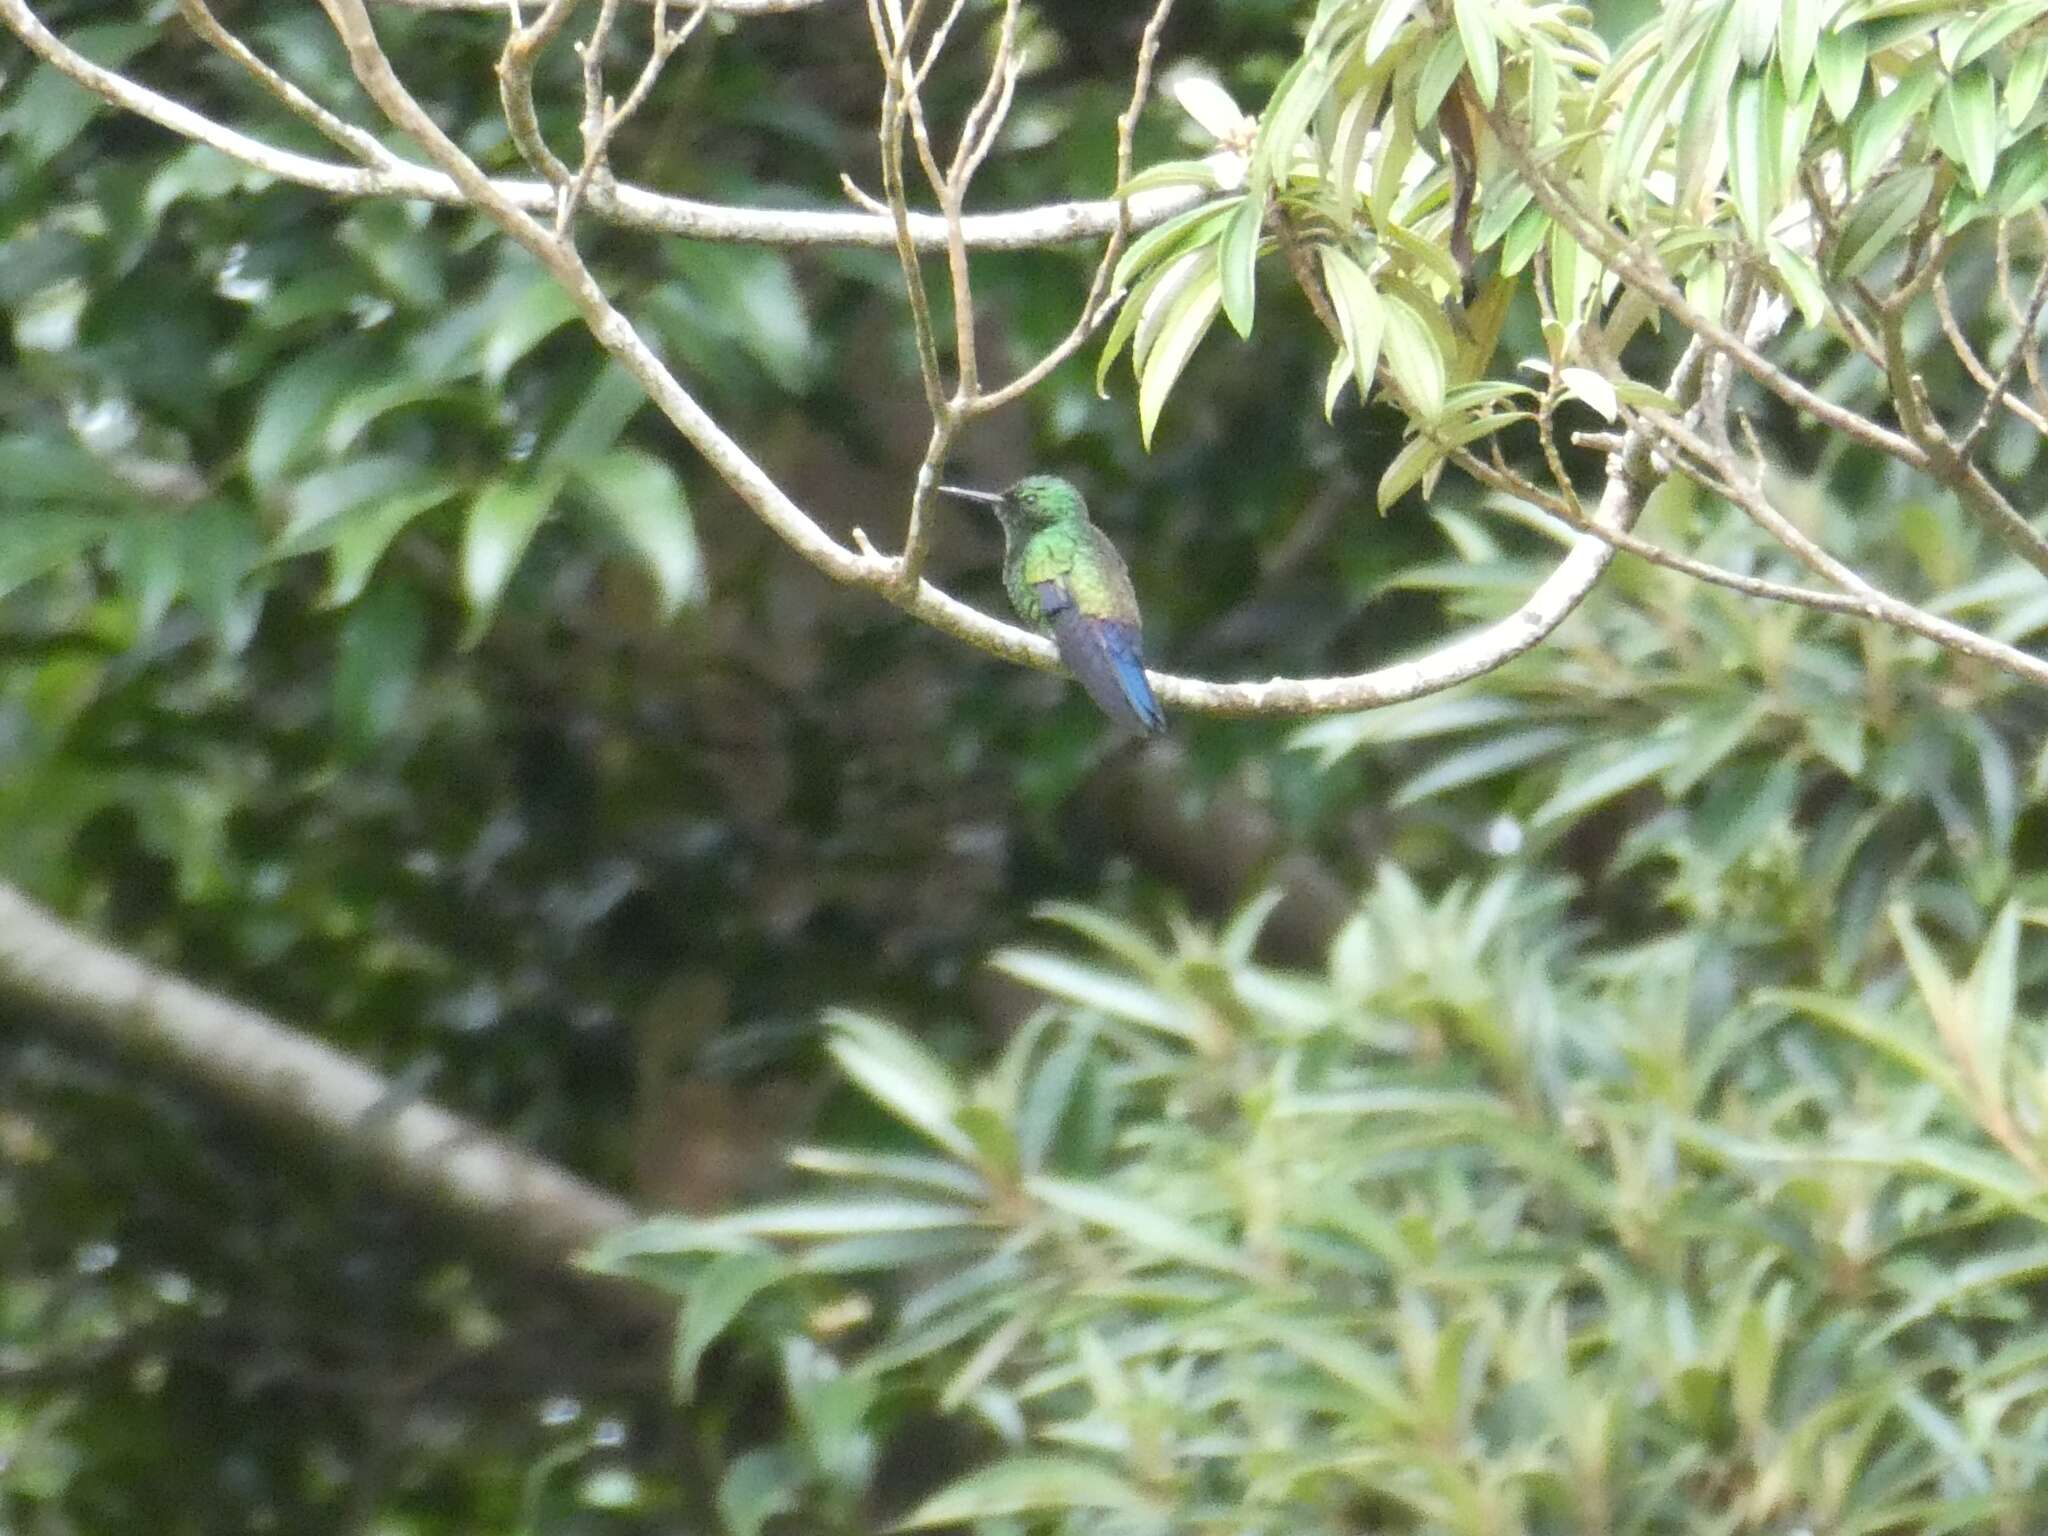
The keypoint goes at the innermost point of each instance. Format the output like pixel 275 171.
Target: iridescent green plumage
pixel 1066 579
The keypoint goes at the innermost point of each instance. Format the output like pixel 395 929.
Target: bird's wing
pixel 1104 654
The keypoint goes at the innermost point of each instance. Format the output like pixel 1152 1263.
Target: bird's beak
pixel 986 498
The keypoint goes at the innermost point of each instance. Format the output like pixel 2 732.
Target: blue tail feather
pixel 1106 656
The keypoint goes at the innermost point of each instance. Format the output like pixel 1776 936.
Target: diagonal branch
pixel 1647 277
pixel 357 141
pixel 1744 491
pixel 59 977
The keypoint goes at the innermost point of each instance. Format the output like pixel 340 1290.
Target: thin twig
pixel 1095 308
pixel 1642 273
pixel 2032 356
pixel 891 47
pixel 1998 389
pixel 610 118
pixel 524 43
pixel 1974 493
pixel 626 206
pixel 1744 492
pixel 357 141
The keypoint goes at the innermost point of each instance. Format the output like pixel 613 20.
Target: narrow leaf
pixel 1185 324
pixel 1027 1485
pixel 502 522
pixel 1143 1226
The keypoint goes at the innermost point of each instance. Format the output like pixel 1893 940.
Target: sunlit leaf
pixel 1027 1485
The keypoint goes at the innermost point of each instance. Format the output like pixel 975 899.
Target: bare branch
pixel 524 44
pixel 1096 306
pixel 2003 245
pixel 1977 495
pixel 357 141
pixel 109 999
pixel 1745 492
pixel 1998 389
pixel 602 119
pixel 626 206
pixel 893 48
pixel 455 178
pixel 728 7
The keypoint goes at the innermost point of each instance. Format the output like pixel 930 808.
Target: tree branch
pixel 456 178
pixel 729 7
pixel 627 206
pixel 96 994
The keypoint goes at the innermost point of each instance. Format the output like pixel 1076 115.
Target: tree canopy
pixel 500 742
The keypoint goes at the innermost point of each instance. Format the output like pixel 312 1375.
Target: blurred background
pixel 585 854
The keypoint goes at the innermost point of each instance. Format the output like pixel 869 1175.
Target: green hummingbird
pixel 1066 580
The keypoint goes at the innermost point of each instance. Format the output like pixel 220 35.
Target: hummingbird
pixel 1066 580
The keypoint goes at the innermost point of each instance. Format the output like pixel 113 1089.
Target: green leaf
pixel 1426 452
pixel 1491 756
pixel 1879 217
pixel 846 1218
pixel 1880 125
pixel 1586 789
pixel 1748 168
pixel 1994 1272
pixel 35 541
pixel 1413 358
pixel 1798 38
pixel 756 1488
pixel 1186 322
pixel 540 309
pixel 901 1075
pixel 1993 990
pixel 356 541
pixel 1091 986
pixel 613 399
pixel 1700 125
pixel 1343 1360
pixel 297 400
pixel 318 500
pixel 382 643
pixel 2023 84
pixel 1237 256
pixel 1482 48
pixel 1288 113
pixel 712 1298
pixel 1440 72
pixel 1881 1034
pixel 1025 1485
pixel 643 501
pixel 2022 181
pixel 1360 317
pixel 1418 456
pixel 1800 279
pixel 1993 28
pixel 1838 60
pixel 1966 117
pixel 1143 1226
pixel 1931 978
pixel 50 111
pixel 501 523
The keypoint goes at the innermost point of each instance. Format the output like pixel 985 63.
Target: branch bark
pixel 104 998
pixel 630 207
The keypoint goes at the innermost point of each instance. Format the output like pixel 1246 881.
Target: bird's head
pixel 1035 502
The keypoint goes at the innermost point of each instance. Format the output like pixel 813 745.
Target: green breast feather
pixel 1084 562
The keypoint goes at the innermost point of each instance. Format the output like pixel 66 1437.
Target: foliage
pixel 1795 144
pixel 367 653
pixel 1679 1166
pixel 1484 1230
